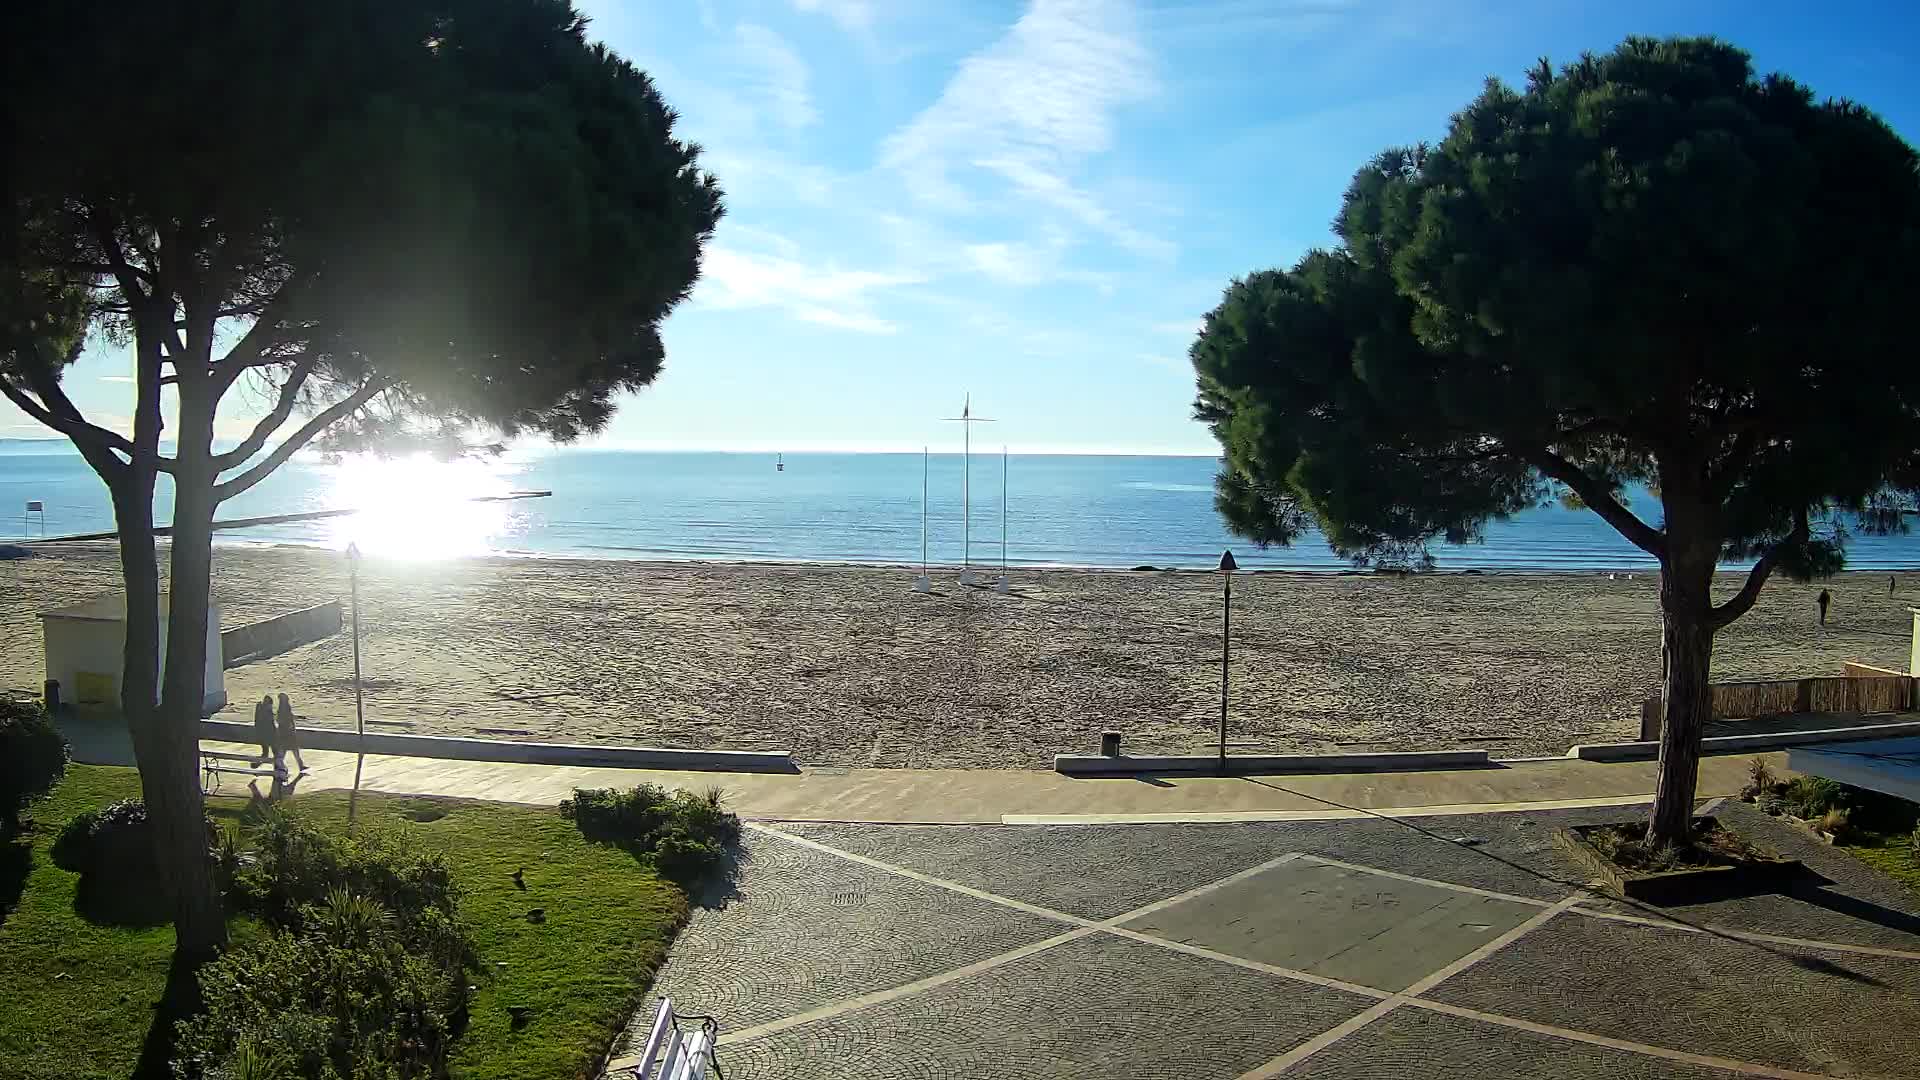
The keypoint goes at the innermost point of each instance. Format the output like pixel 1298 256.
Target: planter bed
pixel 1726 874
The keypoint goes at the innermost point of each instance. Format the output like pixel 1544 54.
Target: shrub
pixel 684 835
pixel 1760 780
pixel 296 866
pixel 33 758
pixel 348 997
pixel 1811 796
pixel 1834 823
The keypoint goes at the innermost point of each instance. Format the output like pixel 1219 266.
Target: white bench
pixel 678 1055
pixel 212 769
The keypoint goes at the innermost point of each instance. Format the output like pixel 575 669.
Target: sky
pixel 1033 202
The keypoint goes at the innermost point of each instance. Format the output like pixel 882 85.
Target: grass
pixel 1890 853
pixel 79 996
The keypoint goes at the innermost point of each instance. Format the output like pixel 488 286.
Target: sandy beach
pixel 845 666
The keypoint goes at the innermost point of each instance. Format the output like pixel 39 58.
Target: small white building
pixel 86 646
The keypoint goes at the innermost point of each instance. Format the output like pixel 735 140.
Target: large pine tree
pixel 1645 267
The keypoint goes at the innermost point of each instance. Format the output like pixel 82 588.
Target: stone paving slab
pixel 1096 1007
pixel 1846 1015
pixel 805 928
pixel 1414 1043
pixel 1093 871
pixel 1344 924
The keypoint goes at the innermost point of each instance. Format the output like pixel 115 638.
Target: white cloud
pixel 852 15
pixel 780 77
pixel 822 294
pixel 1024 264
pixel 1030 108
pixel 116 378
pixel 1054 191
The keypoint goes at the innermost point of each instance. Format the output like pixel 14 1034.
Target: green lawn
pixel 1892 855
pixel 77 996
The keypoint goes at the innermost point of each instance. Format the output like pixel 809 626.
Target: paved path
pixel 1438 947
pixel 1003 795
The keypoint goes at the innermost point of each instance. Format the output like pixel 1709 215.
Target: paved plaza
pixel 1438 947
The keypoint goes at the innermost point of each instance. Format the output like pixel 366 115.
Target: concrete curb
pixel 1125 765
pixel 1734 744
pixel 455 749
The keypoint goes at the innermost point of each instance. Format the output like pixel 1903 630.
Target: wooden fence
pixel 1862 689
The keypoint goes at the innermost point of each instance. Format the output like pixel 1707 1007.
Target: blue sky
pixel 1035 200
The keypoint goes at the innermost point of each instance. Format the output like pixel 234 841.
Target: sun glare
pixel 418 507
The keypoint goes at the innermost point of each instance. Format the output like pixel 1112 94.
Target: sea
pixel 1025 509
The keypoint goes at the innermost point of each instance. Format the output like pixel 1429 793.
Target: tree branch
pixel 128 276
pixel 1600 501
pixel 65 420
pixel 292 445
pixel 289 396
pixel 1742 602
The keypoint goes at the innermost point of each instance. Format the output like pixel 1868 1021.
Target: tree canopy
pixel 456 209
pixel 1650 266
pixel 409 220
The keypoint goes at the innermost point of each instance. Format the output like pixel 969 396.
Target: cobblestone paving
pixel 1771 1004
pixel 810 930
pixel 1094 871
pixel 1414 1043
pixel 1345 924
pixel 1097 1007
pixel 807 928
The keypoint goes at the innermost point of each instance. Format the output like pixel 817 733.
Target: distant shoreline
pixel 1631 571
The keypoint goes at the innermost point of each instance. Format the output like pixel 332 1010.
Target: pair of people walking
pixel 276 733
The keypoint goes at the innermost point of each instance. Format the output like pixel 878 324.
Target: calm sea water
pixel 1060 510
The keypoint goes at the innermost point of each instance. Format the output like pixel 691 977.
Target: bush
pixel 33 758
pixel 1834 824
pixel 346 998
pixel 362 974
pixel 296 865
pixel 684 835
pixel 1760 780
pixel 1811 796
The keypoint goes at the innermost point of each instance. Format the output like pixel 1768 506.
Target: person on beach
pixel 1825 598
pixel 289 735
pixel 263 728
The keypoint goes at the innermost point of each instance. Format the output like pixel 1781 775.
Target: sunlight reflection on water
pixel 418 507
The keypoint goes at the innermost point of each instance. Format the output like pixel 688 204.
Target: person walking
pixel 289 735
pixel 1825 598
pixel 263 728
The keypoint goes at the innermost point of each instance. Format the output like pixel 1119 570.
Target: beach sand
pixel 846 666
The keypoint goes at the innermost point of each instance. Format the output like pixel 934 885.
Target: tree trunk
pixel 1686 646
pixel 179 820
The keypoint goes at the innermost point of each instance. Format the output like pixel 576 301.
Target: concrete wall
pixel 280 633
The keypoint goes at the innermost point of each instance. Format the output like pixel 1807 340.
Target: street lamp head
pixel 1227 565
pixel 353 552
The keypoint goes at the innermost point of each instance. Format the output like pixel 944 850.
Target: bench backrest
pixel 678 1055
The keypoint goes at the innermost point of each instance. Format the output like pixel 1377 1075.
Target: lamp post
pixel 1227 567
pixel 359 710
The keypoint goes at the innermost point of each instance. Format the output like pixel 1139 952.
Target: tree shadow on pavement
pixel 1814 895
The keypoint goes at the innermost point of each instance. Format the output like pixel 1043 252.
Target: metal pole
pixel 359 709
pixel 966 497
pixel 1003 511
pixel 926 456
pixel 1226 647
